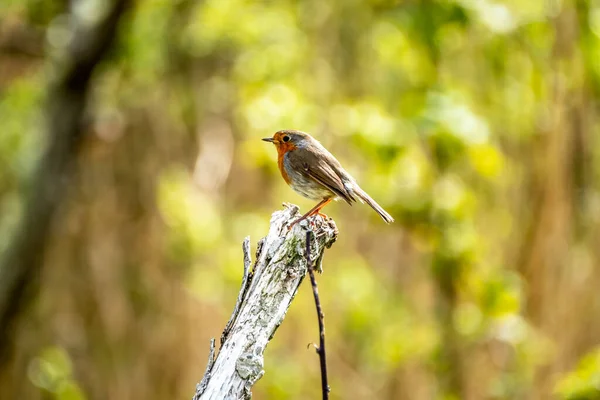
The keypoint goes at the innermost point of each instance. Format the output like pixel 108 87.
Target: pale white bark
pixel 265 296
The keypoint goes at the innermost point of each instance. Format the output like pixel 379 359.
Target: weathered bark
pixel 266 294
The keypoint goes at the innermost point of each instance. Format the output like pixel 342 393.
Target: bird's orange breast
pixel 282 149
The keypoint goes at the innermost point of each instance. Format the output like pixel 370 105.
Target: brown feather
pixel 316 167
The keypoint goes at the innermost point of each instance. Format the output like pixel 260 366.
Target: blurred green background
pixel 473 122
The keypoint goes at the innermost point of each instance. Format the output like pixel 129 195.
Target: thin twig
pixel 243 290
pixel 321 349
pixel 201 387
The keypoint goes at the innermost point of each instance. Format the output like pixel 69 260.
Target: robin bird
pixel 314 172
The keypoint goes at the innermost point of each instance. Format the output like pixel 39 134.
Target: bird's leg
pixel 315 210
pixel 318 210
pixel 323 215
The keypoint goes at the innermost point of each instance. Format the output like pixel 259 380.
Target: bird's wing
pixel 316 167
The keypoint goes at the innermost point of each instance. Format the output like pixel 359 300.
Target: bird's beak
pixel 268 139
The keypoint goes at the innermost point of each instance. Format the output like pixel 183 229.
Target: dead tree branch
pixel 266 294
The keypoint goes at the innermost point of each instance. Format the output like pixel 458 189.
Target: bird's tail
pixel 367 199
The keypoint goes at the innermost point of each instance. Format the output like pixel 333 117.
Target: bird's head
pixel 287 140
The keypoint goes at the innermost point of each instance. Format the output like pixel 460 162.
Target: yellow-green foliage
pixel 474 123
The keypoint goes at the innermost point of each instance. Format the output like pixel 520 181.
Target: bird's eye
pixel 286 138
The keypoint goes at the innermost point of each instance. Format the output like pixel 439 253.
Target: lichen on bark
pixel 265 296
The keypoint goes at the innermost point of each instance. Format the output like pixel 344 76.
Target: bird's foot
pixel 290 226
pixel 312 221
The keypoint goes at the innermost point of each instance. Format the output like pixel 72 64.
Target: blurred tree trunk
pixel 558 234
pixel 66 104
pixel 108 279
